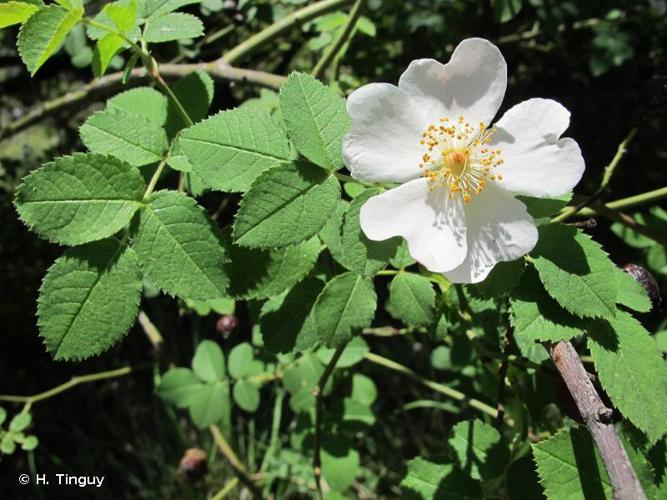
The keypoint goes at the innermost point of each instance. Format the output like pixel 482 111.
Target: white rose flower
pixel 455 205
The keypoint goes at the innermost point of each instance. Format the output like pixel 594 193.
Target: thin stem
pixel 170 93
pixel 606 177
pixel 442 389
pixel 317 391
pixel 226 489
pixel 344 36
pixel 151 331
pixel 269 34
pixel 80 379
pixel 113 31
pixel 154 179
pixel 233 460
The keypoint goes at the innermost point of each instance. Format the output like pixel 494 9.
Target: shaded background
pixel 604 60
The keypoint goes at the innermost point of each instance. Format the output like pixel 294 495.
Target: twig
pixel 80 379
pixel 596 416
pixel 317 391
pixel 104 87
pixel 629 222
pixel 267 35
pixel 151 331
pixel 344 36
pixel 606 177
pixel 233 460
pixel 442 389
pixel 625 203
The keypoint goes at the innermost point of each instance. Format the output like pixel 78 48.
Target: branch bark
pixel 104 87
pixel 597 417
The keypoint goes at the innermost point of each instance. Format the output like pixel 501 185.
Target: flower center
pixel 458 157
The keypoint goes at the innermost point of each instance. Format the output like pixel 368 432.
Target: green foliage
pixel 430 479
pixel 80 198
pixel 631 293
pixel 576 271
pixel 360 254
pixel 43 33
pixel 89 299
pixel 124 135
pixel 316 120
pixel 478 449
pixel 570 466
pixel 229 150
pixel 632 372
pixel 15 13
pixel 411 299
pixel 345 306
pixel 173 26
pixel 537 317
pixel 208 364
pixel 260 274
pixel 179 248
pixel 286 205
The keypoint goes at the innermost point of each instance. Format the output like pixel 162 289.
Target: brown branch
pixel 597 417
pixel 104 87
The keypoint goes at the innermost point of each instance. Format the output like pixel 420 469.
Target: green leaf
pixel 142 101
pixel 287 324
pixel 105 50
pixel 195 92
pixel 240 360
pixel 403 259
pixel 576 271
pixel 316 120
pixel 537 317
pixel 353 353
pixel 230 149
pixel 7 445
pixel 340 461
pixel 124 135
pixel 179 386
pixel 89 299
pixel 209 404
pixel 258 274
pixel 180 248
pixel 362 255
pixel 631 293
pixel 173 26
pixel 432 479
pixel 363 389
pixel 286 205
pixel 123 15
pixel 154 8
pixel 30 443
pixel 503 278
pixel 345 306
pixel 631 371
pixel 80 198
pixel 20 422
pixel 15 13
pixel 331 232
pixel 3 415
pixel 208 362
pixel 43 33
pixel 246 395
pixel 479 449
pixel 411 299
pixel 570 466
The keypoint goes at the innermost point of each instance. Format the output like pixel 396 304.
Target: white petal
pixel 499 229
pixel 383 142
pixel 472 84
pixel 431 222
pixel 537 162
